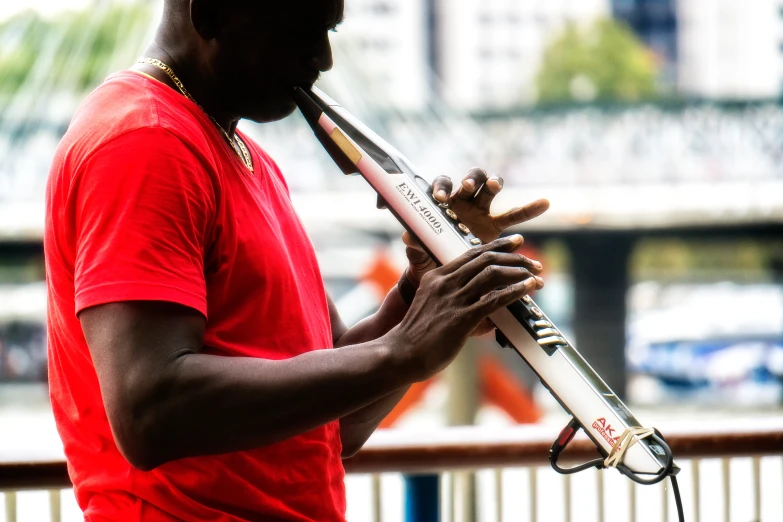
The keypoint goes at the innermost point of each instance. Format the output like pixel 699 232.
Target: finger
pixel 484 327
pixel 493 277
pixel 474 180
pixel 441 188
pixel 503 297
pixel 488 260
pixel 519 215
pixel 417 257
pixel 503 244
pixel 487 193
pixel 411 241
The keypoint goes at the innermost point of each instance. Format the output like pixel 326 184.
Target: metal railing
pixel 515 459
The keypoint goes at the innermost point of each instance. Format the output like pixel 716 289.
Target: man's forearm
pixel 213 404
pixel 357 427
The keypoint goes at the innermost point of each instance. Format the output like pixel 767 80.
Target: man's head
pixel 253 52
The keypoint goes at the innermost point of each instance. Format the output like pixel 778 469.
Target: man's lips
pixel 308 82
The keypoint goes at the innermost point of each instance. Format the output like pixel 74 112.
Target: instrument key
pixel 547 332
pixel 541 323
pixel 547 341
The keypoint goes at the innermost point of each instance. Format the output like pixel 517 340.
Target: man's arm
pixel 165 400
pixel 357 427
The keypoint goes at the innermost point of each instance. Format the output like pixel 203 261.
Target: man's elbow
pixel 139 459
pixel 352 443
pixel 136 439
pixel 350 451
pixel 137 448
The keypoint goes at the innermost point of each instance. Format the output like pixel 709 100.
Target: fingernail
pixel 496 180
pixel 530 282
pixel 469 184
pixel 536 264
pixel 539 280
pixel 441 195
pixel 515 238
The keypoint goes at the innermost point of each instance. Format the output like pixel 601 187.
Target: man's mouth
pixel 308 82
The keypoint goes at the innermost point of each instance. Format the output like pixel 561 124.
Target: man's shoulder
pixel 126 102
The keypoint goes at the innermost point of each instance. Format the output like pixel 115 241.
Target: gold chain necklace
pixel 239 147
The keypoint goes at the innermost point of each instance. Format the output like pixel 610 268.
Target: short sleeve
pixel 143 206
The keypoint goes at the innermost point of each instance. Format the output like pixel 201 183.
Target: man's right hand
pixel 452 300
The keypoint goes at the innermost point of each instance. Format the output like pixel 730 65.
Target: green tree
pixel 604 61
pixel 74 50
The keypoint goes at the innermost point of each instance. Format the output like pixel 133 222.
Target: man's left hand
pixel 471 202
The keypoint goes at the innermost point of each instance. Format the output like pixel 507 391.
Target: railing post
pixel 10 506
pixel 55 506
pixel 377 503
pixel 463 487
pixel 664 501
pixel 599 491
pixel 422 498
pixel 756 463
pixel 533 477
pixel 696 490
pixel 499 494
pixel 725 465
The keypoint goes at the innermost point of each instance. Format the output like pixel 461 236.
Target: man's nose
pixel 323 60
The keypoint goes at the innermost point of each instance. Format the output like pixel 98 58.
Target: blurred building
pixel 730 49
pixel 484 54
pixel 718 49
pixel 487 52
pixel 383 48
pixel 481 54
pixel 655 22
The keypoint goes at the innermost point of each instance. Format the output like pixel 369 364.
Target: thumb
pixel 411 241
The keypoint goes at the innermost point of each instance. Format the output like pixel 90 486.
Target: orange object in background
pixel 382 273
pixel 501 388
pixel 497 386
pixel 408 402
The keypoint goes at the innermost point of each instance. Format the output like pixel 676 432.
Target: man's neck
pixel 199 87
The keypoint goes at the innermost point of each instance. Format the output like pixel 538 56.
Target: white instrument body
pixel 561 368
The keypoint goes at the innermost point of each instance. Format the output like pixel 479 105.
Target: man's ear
pixel 205 15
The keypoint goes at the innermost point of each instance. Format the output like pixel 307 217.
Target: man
pixel 191 363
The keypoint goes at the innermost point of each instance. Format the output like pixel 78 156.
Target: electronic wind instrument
pixel 637 452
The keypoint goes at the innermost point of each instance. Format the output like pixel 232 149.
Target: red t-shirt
pixel 147 201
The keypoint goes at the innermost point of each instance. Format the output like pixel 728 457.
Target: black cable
pixel 568 434
pixel 597 463
pixel 661 475
pixel 677 499
pixel 667 471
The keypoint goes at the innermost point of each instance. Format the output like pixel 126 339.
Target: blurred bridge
pixel 623 168
pixel 630 168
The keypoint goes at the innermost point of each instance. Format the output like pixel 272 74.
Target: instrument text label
pixel 425 212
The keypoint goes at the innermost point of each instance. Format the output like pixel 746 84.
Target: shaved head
pixel 248 55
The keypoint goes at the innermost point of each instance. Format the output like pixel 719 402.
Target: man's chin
pixel 273 112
